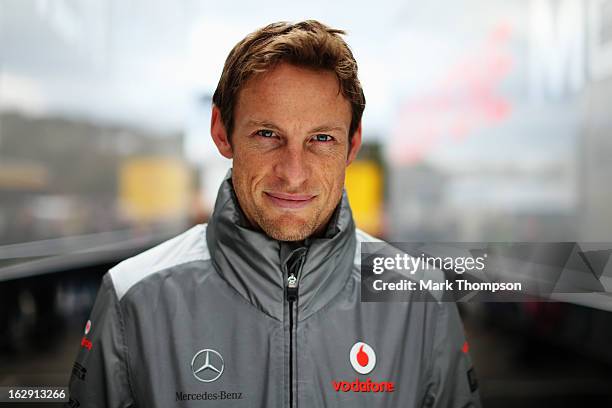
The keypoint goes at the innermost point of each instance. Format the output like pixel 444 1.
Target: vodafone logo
pixel 362 358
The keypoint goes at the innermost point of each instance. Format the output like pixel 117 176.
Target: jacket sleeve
pixel 452 377
pixel 100 374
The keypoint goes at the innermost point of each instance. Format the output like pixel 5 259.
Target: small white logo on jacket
pixel 207 365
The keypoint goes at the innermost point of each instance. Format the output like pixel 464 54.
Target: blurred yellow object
pixel 154 188
pixel 364 186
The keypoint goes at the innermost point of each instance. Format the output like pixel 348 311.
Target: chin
pixel 288 228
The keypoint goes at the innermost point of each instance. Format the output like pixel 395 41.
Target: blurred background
pixel 486 120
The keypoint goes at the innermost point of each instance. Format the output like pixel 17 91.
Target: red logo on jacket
pixel 363 359
pixel 86 343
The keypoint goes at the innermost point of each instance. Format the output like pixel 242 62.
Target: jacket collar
pixel 255 265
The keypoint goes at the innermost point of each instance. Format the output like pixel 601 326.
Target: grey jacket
pixel 224 316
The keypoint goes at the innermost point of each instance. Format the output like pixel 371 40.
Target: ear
pixel 219 134
pixel 355 145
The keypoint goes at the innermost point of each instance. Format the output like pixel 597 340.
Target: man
pixel 261 306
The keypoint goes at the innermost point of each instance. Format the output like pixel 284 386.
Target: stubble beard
pixel 288 227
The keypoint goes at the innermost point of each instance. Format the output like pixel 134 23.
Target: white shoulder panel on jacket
pixel 187 247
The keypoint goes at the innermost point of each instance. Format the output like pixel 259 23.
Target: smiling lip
pixel 291 201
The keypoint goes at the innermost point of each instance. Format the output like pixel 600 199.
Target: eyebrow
pixel 263 123
pixel 322 128
pixel 329 128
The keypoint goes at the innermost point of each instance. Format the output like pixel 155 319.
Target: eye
pixel 265 133
pixel 321 137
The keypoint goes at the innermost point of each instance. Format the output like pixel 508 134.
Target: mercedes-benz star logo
pixel 207 365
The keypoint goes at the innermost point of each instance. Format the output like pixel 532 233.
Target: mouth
pixel 289 201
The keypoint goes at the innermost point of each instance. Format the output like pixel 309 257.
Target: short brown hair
pixel 307 43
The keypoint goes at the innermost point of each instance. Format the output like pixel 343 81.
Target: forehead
pixel 289 92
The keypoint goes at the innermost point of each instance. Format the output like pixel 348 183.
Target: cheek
pixel 331 174
pixel 249 167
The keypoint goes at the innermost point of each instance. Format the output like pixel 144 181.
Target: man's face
pixel 290 148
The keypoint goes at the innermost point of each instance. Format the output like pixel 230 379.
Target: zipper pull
pixel 292 288
pixel 294 266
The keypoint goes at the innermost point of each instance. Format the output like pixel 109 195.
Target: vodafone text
pixel 363 386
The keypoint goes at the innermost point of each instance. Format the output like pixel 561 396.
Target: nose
pixel 292 166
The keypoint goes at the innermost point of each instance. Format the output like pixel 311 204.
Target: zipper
pixel 294 266
pixel 291 298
